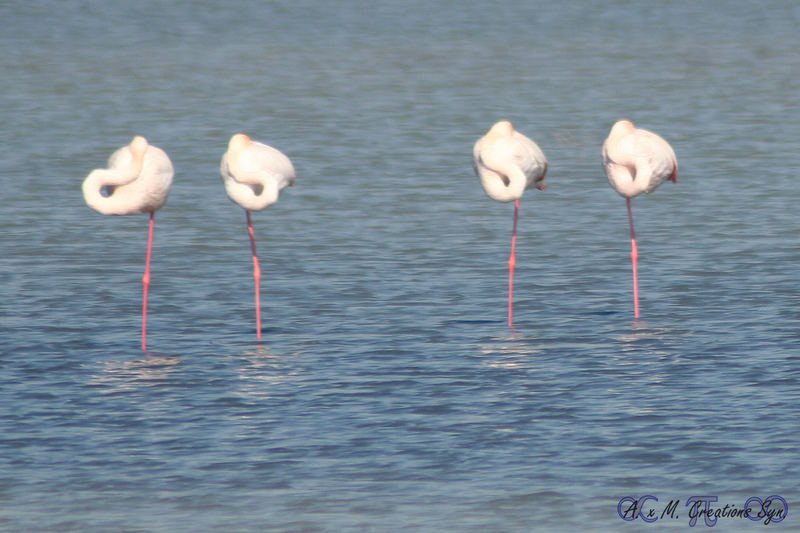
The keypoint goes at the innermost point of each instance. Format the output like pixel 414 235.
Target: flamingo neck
pixel 255 194
pixel 626 185
pixel 497 188
pixel 115 203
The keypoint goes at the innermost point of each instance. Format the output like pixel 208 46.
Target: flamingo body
pixel 637 161
pixel 254 174
pixel 137 180
pixel 507 164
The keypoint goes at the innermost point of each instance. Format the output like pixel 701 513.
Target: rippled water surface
pixel 388 393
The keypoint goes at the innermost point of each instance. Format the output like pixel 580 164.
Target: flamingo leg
pixel 146 280
pixel 512 262
pixel 634 260
pixel 256 273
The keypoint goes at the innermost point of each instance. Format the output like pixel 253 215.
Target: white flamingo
pixel 254 174
pixel 637 161
pixel 137 180
pixel 507 164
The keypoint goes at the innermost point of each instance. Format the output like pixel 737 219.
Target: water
pixel 388 394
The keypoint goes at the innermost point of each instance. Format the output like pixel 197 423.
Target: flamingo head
pixel 501 129
pixel 623 126
pixel 138 149
pixel 138 146
pixel 239 142
pixel 620 129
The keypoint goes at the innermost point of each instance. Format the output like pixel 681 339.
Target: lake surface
pixel 388 393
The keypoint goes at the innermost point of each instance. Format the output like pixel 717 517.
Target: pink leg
pixel 512 262
pixel 146 280
pixel 256 274
pixel 634 260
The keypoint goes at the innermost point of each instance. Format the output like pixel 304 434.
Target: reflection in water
pixel 124 376
pixel 634 344
pixel 259 370
pixel 509 351
pixel 644 344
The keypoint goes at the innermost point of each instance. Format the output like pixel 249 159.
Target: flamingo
pixel 254 174
pixel 637 161
pixel 507 163
pixel 137 180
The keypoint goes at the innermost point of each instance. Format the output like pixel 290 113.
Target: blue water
pixel 388 393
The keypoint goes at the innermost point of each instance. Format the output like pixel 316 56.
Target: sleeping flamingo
pixel 507 164
pixel 254 174
pixel 137 180
pixel 637 161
